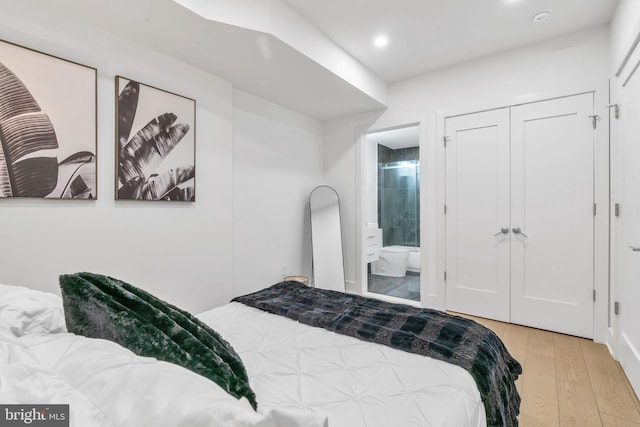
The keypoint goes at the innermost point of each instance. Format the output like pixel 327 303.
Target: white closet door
pixel 552 194
pixel 477 199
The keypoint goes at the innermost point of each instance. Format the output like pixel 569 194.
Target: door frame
pixel 601 196
pixel 363 151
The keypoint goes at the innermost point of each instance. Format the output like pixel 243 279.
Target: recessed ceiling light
pixel 541 16
pixel 381 41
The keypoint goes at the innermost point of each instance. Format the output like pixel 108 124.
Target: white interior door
pixel 552 195
pixel 629 285
pixel 477 200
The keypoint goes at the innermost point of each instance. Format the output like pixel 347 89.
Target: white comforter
pixel 300 375
pixel 105 384
pixel 355 383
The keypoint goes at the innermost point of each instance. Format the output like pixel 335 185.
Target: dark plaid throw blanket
pixel 432 333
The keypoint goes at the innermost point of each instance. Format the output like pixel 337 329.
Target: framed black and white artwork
pixel 155 139
pixel 47 126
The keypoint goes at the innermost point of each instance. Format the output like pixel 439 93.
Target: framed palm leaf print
pixel 155 143
pixel 47 126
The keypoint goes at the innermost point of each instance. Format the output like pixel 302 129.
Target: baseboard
pixel 610 342
pixel 352 287
pixel 629 358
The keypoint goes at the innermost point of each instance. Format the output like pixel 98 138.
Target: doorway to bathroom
pixel 393 230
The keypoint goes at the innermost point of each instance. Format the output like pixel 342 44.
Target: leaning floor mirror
pixel 326 238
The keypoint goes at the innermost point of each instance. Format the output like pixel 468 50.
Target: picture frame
pixel 48 126
pixel 155 143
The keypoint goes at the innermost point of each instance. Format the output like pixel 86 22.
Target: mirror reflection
pixel 326 239
pixel 393 237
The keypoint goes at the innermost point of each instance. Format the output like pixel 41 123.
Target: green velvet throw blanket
pixel 98 306
pixel 432 333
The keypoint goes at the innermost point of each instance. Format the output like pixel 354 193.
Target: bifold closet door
pixel 477 220
pixel 552 215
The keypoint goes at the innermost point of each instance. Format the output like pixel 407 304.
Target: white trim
pixel 361 267
pixel 610 342
pixel 615 228
pixel 431 283
pixel 631 44
pixel 627 57
pixel 407 125
pixel 361 148
pixel 602 227
pixel 635 60
pixel 352 287
pixel 630 361
pixel 514 101
pixel 439 298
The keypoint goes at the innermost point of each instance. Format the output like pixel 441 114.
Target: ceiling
pixel 312 56
pixel 429 34
pixel 404 137
pixel 253 60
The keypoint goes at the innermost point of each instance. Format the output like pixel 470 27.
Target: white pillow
pixel 141 391
pixel 24 381
pixel 27 311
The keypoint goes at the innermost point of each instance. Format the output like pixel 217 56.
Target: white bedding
pixel 354 383
pixel 107 385
pixel 301 375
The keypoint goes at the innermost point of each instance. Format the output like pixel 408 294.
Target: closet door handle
pixel 517 230
pixel 503 230
pixel 635 248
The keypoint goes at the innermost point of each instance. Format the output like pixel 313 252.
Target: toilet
pixel 393 262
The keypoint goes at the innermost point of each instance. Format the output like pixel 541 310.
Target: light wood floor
pixel 567 381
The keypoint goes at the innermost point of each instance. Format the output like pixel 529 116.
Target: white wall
pixel 182 252
pixel 277 162
pixel 341 167
pixel 562 66
pixel 559 66
pixel 162 247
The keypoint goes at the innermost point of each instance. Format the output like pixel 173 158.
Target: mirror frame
pixel 327 250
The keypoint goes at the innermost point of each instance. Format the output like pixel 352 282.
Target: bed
pixel 302 375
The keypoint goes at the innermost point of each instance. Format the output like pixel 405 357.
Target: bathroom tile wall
pixel 398 198
pixel 388 155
